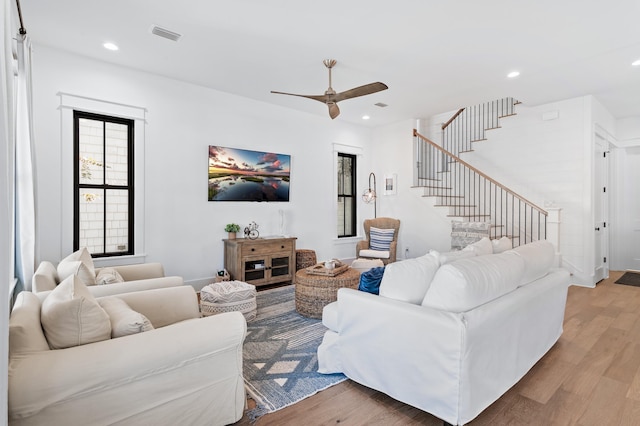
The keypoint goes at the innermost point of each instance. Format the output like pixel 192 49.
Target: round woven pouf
pixel 314 292
pixel 305 258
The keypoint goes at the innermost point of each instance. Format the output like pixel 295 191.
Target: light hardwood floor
pixel 590 377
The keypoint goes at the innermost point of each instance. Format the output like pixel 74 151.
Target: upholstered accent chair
pixel 381 239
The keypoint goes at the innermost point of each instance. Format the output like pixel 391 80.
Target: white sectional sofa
pixel 449 338
pixel 187 370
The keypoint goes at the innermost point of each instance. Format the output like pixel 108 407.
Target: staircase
pixel 469 194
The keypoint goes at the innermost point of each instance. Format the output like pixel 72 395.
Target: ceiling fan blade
pixel 319 98
pixel 334 111
pixel 367 89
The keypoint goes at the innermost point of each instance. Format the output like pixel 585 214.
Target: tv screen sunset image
pixel 245 175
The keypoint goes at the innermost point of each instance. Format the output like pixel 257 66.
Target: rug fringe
pixel 255 413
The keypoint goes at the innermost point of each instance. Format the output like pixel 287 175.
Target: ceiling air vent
pixel 165 33
pixel 381 105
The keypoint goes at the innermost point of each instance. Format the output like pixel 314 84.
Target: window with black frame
pixel 103 184
pixel 346 195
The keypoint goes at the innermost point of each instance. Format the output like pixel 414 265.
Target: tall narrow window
pixel 346 195
pixel 103 184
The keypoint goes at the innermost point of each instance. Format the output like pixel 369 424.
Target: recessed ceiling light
pixel 636 63
pixel 110 46
pixel 365 117
pixel 513 74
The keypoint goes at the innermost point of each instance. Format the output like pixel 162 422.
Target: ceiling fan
pixel 331 98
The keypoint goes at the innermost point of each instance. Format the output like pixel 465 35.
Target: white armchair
pixel 188 370
pixel 122 279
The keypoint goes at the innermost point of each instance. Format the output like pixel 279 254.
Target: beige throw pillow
pixel 108 276
pixel 78 263
pixel 124 320
pixel 71 316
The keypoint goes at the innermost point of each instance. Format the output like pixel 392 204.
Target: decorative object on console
pixel 244 175
pixel 369 196
pixel 232 228
pixel 251 231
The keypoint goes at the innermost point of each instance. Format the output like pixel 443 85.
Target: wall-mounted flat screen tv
pixel 244 175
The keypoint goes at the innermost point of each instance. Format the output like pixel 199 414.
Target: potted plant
pixel 232 228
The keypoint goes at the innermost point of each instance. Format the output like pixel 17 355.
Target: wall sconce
pixel 369 196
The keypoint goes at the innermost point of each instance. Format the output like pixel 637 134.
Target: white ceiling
pixel 435 56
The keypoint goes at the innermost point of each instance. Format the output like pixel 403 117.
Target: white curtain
pixel 7 153
pixel 25 179
pixel 6 193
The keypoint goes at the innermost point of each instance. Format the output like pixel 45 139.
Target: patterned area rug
pixel 280 360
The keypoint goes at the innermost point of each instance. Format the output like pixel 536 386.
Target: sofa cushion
pixel 408 280
pixel 451 256
pixel 108 276
pixel 481 247
pixel 380 239
pixel 501 245
pixel 78 263
pixel 25 331
pixel 71 316
pixel 467 283
pixel 124 320
pixel 538 258
pixel 378 254
pixel 45 278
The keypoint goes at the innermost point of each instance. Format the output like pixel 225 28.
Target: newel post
pixel 553 232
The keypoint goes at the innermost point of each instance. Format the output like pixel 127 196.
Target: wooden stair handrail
pixel 469 166
pixel 444 126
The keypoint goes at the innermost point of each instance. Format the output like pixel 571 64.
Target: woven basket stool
pixel 305 258
pixel 229 296
pixel 314 292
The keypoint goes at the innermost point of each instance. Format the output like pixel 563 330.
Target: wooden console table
pixel 262 261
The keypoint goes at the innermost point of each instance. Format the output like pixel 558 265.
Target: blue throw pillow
pixel 370 280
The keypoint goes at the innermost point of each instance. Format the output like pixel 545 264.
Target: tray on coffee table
pixel 319 269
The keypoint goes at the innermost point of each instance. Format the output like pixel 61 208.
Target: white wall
pixel 422 227
pixel 182 229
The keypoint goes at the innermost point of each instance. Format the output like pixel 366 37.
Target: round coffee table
pixel 314 292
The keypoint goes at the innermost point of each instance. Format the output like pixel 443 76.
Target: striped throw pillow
pixel 380 239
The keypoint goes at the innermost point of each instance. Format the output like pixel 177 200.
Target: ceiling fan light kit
pixel 331 98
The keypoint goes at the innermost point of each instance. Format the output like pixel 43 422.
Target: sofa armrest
pixel 126 287
pixel 187 357
pixel 131 286
pixel 392 251
pixel 164 306
pixel 420 345
pixel 140 271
